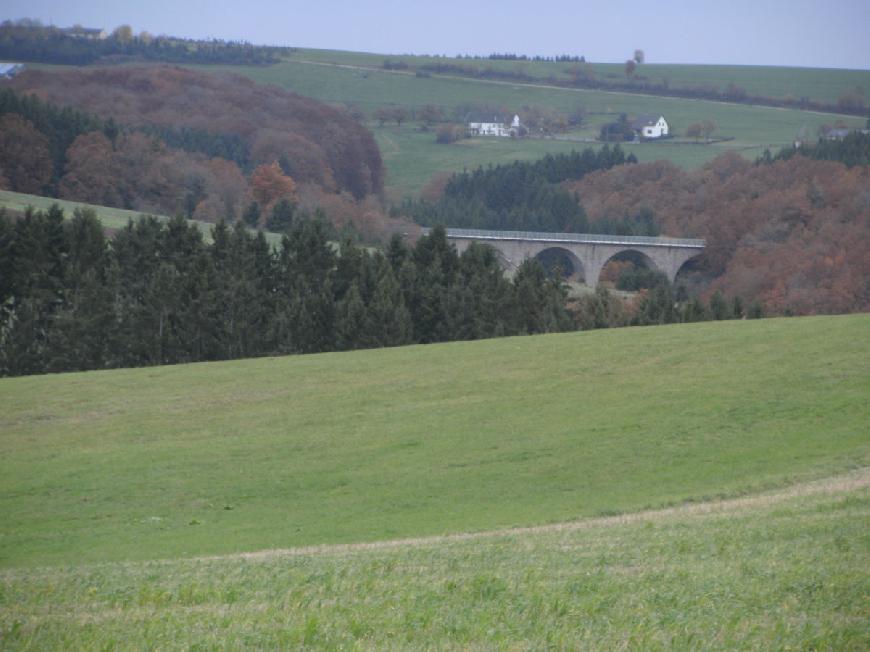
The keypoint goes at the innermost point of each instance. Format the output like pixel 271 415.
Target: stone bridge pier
pixel 588 253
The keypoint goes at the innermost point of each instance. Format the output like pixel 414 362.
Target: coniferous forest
pixel 157 293
pixel 526 196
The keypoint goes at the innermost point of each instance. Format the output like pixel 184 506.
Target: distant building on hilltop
pixel 839 133
pixel 89 33
pixel 491 125
pixel 9 70
pixel 650 126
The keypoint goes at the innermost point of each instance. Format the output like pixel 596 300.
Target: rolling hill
pixel 412 157
pixel 229 457
pixel 196 504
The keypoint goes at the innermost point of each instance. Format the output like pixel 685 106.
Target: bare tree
pixel 630 66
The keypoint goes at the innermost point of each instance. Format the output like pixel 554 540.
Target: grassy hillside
pixel 111 218
pixel 412 157
pixel 340 80
pixel 227 457
pixel 784 571
pixel 819 84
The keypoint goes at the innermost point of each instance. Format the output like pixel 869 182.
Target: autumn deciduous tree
pixel 639 56
pixel 382 114
pixel 24 157
pixel 269 184
pixel 91 174
pixel 791 234
pixel 630 67
pixel 123 33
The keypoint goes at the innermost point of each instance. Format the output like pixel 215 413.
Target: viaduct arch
pixel 592 251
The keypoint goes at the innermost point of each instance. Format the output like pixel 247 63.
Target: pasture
pixel 786 570
pixel 228 457
pixel 700 485
pixel 413 159
pixel 818 84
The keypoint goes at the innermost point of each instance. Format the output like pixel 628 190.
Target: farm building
pixel 9 70
pixel 492 125
pixel 87 33
pixel 650 126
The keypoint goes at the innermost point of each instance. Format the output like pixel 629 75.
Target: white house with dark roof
pixel 491 125
pixel 650 125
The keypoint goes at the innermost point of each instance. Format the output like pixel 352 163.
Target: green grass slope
pixel 111 218
pixel 224 457
pixel 412 157
pixel 818 84
pixel 781 572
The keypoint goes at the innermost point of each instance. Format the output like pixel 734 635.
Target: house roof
pixel 9 69
pixel 83 30
pixel 646 120
pixel 485 117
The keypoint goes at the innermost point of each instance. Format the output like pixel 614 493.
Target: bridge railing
pixel 584 238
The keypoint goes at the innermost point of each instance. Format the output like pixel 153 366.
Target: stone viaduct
pixel 588 253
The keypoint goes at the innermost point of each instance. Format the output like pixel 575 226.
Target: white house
pixel 9 70
pixel 87 33
pixel 491 125
pixel 650 126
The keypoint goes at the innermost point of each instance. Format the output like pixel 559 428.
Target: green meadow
pixel 782 572
pixel 218 458
pixel 412 158
pixel 818 84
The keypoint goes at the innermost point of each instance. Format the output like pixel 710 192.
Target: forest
pixel 31 41
pixel 157 293
pixel 526 196
pixel 851 150
pixel 180 142
pixel 792 234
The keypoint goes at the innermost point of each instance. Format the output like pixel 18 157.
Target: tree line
pixel 209 115
pixel 583 75
pixel 60 126
pixel 851 150
pixel 158 293
pixel 31 41
pixel 525 196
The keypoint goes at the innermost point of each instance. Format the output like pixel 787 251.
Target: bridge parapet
pixel 580 238
pixel 589 251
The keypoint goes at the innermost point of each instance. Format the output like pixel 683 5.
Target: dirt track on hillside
pixel 840 484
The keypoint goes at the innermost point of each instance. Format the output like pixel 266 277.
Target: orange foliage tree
pixel 269 184
pixel 793 234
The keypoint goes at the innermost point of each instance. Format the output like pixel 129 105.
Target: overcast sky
pixel 832 34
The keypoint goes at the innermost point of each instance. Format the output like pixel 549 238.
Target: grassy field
pixel 111 218
pixel 818 84
pixel 412 158
pixel 782 571
pixel 217 458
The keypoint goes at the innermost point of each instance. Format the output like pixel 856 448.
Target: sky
pixel 828 34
